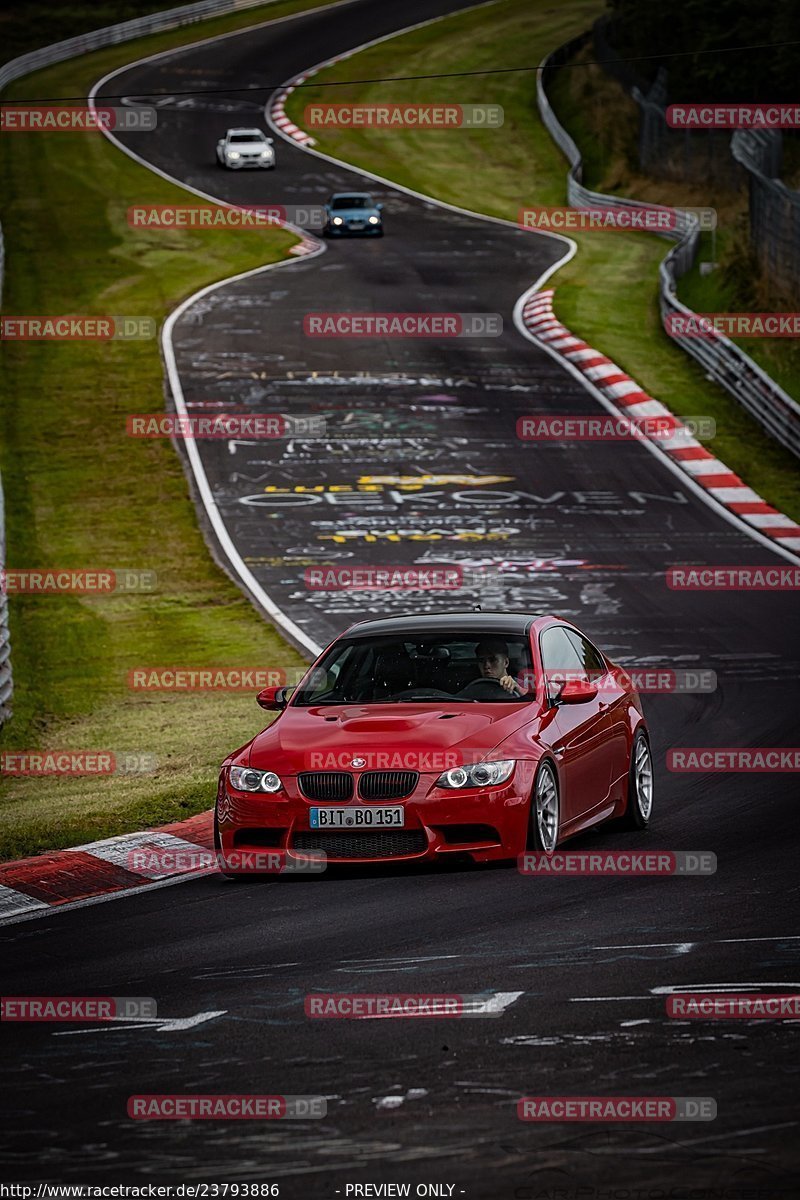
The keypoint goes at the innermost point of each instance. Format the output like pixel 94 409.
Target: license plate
pixel 358 818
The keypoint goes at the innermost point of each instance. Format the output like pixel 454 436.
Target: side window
pixel 324 679
pixel 591 659
pixel 560 658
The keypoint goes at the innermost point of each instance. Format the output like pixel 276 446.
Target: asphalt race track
pixel 433 1101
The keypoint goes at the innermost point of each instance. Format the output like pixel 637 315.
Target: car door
pixel 613 697
pixel 579 734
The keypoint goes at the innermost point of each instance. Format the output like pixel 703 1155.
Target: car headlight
pixel 485 774
pixel 233 154
pixel 266 154
pixel 338 220
pixel 248 779
pixel 374 220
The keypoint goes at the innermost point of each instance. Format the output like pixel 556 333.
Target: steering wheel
pixel 483 681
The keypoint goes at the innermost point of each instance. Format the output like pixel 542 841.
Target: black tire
pixel 640 784
pixel 543 833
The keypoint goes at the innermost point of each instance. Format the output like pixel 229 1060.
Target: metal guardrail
pixel 722 360
pixel 6 680
pixel 26 64
pixel 112 35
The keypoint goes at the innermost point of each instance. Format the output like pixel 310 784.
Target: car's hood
pixel 328 737
pixel 349 213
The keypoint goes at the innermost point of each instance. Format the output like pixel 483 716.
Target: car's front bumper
pixel 243 164
pixel 361 230
pixel 488 823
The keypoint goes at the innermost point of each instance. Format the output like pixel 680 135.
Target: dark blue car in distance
pixel 353 213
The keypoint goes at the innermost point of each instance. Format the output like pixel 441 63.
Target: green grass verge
pixel 80 493
pixel 608 293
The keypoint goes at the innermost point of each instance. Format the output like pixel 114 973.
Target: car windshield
pixel 254 136
pixel 352 202
pixel 456 668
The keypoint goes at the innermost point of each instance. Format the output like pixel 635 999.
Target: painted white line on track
pixel 677 989
pixel 398 961
pixel 148 1024
pixel 671 989
pixel 597 999
pixel 493 1004
pixel 716 1137
pixel 784 937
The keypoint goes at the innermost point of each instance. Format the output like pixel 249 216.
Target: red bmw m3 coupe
pixel 417 737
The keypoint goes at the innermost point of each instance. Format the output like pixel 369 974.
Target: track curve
pixel 588 956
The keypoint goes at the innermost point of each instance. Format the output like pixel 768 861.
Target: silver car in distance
pixel 245 148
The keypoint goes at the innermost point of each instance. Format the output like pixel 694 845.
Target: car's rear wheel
pixel 640 784
pixel 545 809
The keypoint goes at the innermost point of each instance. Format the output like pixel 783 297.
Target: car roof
pixel 489 622
pixel 255 132
pixel 346 195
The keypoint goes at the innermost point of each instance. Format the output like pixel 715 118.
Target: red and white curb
pixel 277 108
pixel 684 450
pixel 33 885
pixel 304 246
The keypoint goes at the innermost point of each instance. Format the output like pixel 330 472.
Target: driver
pixel 492 657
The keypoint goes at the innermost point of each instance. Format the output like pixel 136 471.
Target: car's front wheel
pixel 640 784
pixel 545 809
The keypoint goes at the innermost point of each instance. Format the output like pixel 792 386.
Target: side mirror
pixel 576 691
pixel 379 205
pixel 269 141
pixel 274 699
